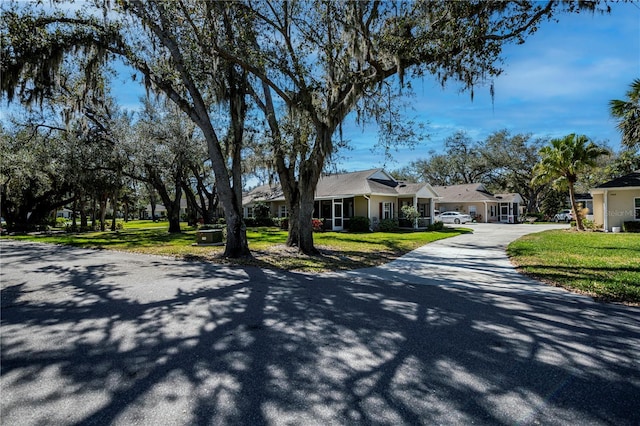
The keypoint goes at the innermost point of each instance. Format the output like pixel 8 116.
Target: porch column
pixel 415 205
pixel 606 210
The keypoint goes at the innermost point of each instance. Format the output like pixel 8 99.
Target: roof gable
pixel 464 192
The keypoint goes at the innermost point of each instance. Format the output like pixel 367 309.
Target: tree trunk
pixel 74 223
pixel 114 201
pixel 574 207
pixel 305 241
pixel 103 212
pixel 293 239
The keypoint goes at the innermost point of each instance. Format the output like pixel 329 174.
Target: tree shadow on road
pixel 221 345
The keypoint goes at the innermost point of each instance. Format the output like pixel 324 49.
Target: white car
pixel 563 216
pixel 453 217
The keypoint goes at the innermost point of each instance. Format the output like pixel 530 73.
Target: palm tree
pixel 628 114
pixel 563 161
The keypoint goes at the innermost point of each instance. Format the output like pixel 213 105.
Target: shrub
pixel 359 224
pixel 631 226
pixel 282 222
pixel 60 222
pixel 389 225
pixel 222 221
pixel 206 227
pixel 317 224
pixel 436 226
pixel 410 213
pixel 261 213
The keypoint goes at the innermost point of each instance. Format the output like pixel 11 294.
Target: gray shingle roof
pixel 463 193
pixel 626 181
pixel 473 192
pixel 372 181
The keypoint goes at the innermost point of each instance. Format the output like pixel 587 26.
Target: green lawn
pixel 603 265
pixel 339 250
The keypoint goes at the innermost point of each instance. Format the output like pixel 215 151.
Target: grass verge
pixel 602 265
pixel 338 250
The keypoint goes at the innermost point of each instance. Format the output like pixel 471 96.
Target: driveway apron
pixel 476 260
pixel 448 334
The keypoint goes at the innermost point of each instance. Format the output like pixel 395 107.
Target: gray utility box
pixel 209 236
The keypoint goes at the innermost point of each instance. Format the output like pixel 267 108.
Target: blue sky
pixel 559 82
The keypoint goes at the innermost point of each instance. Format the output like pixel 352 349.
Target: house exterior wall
pixel 620 207
pixel 598 210
pixel 361 207
pixel 375 206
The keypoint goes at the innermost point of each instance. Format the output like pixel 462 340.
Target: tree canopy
pixel 564 160
pixel 627 112
pixel 316 60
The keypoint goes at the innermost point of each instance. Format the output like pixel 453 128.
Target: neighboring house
pixel 586 201
pixel 64 213
pixel 161 210
pixel 339 197
pixel 483 206
pixel 617 201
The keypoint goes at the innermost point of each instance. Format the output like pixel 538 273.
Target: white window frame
pixel 249 212
pixel 387 210
pixel 636 208
pixel 282 211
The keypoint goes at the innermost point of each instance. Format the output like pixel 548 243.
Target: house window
pixel 283 211
pixel 387 210
pixel 637 208
pixel 473 212
pixel 249 212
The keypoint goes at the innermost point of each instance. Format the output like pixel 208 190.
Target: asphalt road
pixel 449 334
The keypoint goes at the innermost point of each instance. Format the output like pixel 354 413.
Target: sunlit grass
pixel 606 266
pixel 338 250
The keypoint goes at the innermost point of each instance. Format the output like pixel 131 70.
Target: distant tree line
pixel 272 78
pixel 506 162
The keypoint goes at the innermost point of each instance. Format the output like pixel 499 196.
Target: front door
pixel 504 212
pixel 337 215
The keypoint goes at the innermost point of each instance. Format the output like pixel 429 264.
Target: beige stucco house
pixel 339 197
pixel 617 201
pixel 483 206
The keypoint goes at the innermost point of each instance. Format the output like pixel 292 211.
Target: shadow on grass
pixel 607 284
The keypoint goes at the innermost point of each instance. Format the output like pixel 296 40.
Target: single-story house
pixel 476 201
pixel 339 197
pixel 617 201
pixel 161 210
pixel 64 213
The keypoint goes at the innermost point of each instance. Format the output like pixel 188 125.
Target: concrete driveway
pixel 449 334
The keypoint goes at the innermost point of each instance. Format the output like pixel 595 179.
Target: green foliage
pixel 564 160
pixel 262 213
pixel 410 213
pixel 627 112
pixel 359 224
pixel 388 225
pixel 436 226
pixel 281 222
